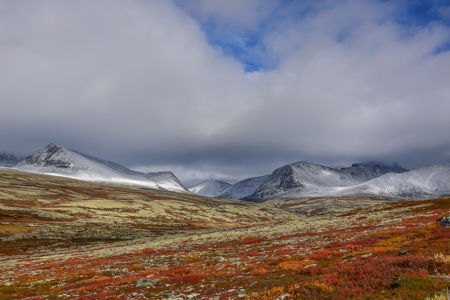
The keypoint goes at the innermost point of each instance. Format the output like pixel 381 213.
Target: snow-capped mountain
pixel 422 183
pixel 57 160
pixel 209 188
pixel 8 160
pixel 306 178
pixel 243 188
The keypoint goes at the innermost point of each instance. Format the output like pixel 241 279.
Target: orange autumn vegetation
pixel 349 261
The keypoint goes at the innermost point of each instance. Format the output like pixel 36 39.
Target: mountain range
pixel 423 183
pixel 306 179
pixel 300 179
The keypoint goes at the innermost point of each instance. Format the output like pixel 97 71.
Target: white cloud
pixel 125 77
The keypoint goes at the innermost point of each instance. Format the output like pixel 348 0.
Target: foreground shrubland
pixel 388 251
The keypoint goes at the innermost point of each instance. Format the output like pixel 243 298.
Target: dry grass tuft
pixel 442 258
pixel 442 295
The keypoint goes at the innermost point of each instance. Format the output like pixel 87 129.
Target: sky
pixel 227 89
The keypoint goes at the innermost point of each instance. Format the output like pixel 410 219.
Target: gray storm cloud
pixel 137 82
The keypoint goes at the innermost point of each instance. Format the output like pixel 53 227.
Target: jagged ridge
pixel 306 178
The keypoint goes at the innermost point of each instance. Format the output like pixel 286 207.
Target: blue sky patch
pixel 247 46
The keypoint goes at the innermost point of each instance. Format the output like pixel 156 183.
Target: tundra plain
pixel 66 239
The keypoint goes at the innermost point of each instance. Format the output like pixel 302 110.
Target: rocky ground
pixel 180 246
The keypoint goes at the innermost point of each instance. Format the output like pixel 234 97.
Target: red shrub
pixel 321 254
pixel 363 242
pixel 286 251
pixel 272 248
pixel 248 242
pixel 361 218
pixel 410 262
pixel 313 270
pixel 366 227
pixel 354 247
pixel 148 250
pixel 332 279
pixel 441 234
pixel 255 253
pixel 188 278
pixel 176 272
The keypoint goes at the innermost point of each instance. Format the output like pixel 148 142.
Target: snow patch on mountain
pixel 423 183
pixel 306 178
pixel 57 160
pixel 209 188
pixel 243 188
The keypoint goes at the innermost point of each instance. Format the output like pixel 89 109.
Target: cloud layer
pixel 143 84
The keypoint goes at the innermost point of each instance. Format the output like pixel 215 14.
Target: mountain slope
pixel 427 182
pixel 57 160
pixel 306 178
pixel 209 188
pixel 8 160
pixel 370 170
pixel 243 188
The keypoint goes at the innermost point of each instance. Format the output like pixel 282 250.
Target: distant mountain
pixel 57 160
pixel 209 188
pixel 8 160
pixel 306 178
pixel 372 169
pixel 243 188
pixel 422 183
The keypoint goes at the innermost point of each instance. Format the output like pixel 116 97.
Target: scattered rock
pixel 282 297
pixel 311 265
pixel 146 282
pixel 445 222
pixel 403 252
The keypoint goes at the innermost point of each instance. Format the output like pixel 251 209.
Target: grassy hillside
pixel 237 250
pixel 41 209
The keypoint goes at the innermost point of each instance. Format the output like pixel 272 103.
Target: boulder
pixel 146 282
pixel 445 222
